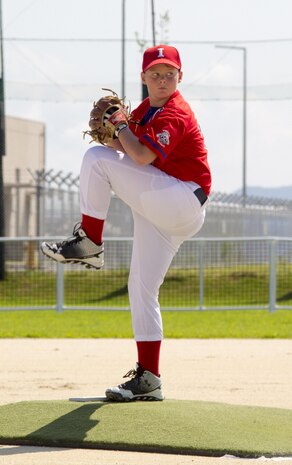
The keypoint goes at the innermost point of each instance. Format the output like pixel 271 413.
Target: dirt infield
pixel 248 372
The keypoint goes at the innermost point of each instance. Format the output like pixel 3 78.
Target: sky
pixel 55 81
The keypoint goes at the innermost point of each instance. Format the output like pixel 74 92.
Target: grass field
pixel 114 324
pixel 224 286
pixel 229 286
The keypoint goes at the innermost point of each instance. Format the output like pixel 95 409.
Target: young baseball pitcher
pixel 165 179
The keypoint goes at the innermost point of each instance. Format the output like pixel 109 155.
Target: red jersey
pixel 173 134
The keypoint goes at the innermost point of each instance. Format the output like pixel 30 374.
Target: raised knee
pixel 98 152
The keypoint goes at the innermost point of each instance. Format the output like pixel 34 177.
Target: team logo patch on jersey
pixel 163 138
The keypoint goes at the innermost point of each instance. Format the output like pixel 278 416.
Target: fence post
pixel 60 288
pixel 273 276
pixel 201 274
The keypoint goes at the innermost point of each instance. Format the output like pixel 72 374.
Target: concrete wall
pixel 25 154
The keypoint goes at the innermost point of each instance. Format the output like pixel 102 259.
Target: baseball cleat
pixel 76 249
pixel 144 385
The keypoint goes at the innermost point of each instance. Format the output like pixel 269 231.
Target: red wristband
pixel 117 118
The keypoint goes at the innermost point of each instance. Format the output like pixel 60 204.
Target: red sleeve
pixel 163 134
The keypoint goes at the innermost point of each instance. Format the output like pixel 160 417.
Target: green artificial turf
pixel 172 426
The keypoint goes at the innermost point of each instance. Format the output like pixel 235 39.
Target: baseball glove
pixel 107 118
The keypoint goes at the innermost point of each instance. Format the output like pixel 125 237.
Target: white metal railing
pixel 209 253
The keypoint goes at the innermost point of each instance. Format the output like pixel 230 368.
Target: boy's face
pixel 161 81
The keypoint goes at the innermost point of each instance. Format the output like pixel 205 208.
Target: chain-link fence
pixel 238 273
pixel 232 263
pixel 47 203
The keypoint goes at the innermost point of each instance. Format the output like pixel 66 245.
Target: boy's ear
pixel 143 77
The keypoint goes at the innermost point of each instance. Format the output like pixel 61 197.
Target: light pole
pixel 243 49
pixel 123 46
pixel 153 23
pixel 144 88
pixel 2 151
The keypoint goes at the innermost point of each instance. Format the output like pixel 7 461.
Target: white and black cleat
pixel 143 386
pixel 76 249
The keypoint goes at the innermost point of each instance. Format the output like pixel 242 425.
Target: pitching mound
pixel 180 427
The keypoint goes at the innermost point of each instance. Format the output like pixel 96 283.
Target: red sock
pixel 148 355
pixel 93 228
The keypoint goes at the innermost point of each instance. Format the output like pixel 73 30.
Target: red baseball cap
pixel 161 54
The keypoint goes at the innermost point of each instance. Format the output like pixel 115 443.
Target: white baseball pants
pixel 165 212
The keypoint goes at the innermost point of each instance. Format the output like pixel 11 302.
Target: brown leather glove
pixel 107 118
